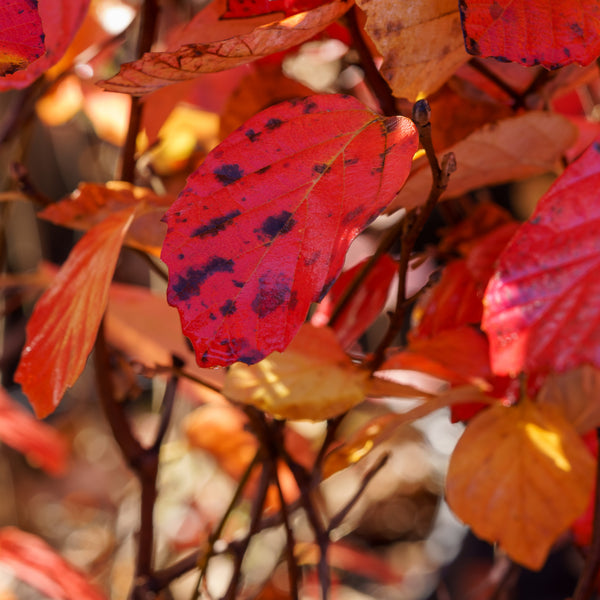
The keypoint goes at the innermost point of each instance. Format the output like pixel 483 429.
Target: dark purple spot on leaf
pixel 228 174
pixel 576 29
pixel 278 224
pixel 351 161
pixel 252 135
pixel 272 124
pixel 326 289
pixel 189 285
pixel 228 308
pixel 312 259
pixel 238 284
pixel 263 170
pixel 321 168
pixel 309 106
pixel 293 302
pixel 273 291
pixel 472 46
pixel 215 225
pixel 353 215
pixel 181 256
pixel 212 317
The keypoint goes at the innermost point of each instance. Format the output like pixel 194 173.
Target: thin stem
pixel 587 582
pixel 148 23
pixel 376 82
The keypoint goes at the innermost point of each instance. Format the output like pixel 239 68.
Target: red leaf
pixel 364 306
pixel 38 441
pixel 21 35
pixel 542 309
pixel 262 228
pixel 64 323
pixel 552 33
pixel 239 9
pixel 41 567
pixel 60 21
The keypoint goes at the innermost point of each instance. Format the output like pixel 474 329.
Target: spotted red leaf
pixel 21 35
pixel 36 563
pixel 262 228
pixel 64 323
pixel 552 33
pixel 542 307
pixel 60 21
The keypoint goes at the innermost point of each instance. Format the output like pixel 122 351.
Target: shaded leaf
pixel 365 304
pixel 240 9
pixel 91 203
pixel 262 228
pixel 21 35
pixel 313 379
pixel 421 43
pixel 60 21
pixel 552 33
pixel 541 307
pixel 65 320
pixel 511 149
pixel 36 563
pixel 39 442
pixel 157 69
pixel 577 393
pixel 519 476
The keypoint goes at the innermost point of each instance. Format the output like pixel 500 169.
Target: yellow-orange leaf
pixel 65 320
pixel 313 379
pixel 421 43
pixel 520 476
pixel 157 69
pixel 91 203
pixel 577 393
pixel 510 149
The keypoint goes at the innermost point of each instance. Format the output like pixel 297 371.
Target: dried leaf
pixel 541 307
pixel 91 203
pixel 577 393
pixel 36 563
pixel 39 442
pixel 519 476
pixel 21 35
pixel 511 149
pixel 262 228
pixel 421 42
pixel 552 33
pixel 157 69
pixel 313 379
pixel 65 320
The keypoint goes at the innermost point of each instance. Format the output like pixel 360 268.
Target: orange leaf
pixel 157 69
pixel 39 442
pixel 91 203
pixel 520 476
pixel 65 320
pixel 513 148
pixel 421 43
pixel 41 567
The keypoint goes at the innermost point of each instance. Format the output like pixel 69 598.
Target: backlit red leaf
pixel 542 307
pixel 21 35
pixel 65 320
pixel 60 21
pixel 365 304
pixel 157 69
pixel 36 563
pixel 38 441
pixel 262 228
pixel 552 33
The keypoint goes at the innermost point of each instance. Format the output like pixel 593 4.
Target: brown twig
pixel 148 24
pixel 413 225
pixel 587 580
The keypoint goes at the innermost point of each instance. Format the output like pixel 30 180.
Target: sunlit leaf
pixel 262 228
pixel 552 33
pixel 21 35
pixel 157 69
pixel 519 477
pixel 36 563
pixel 511 149
pixel 313 379
pixel 65 320
pixel 541 307
pixel 39 442
pixel 91 203
pixel 421 43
